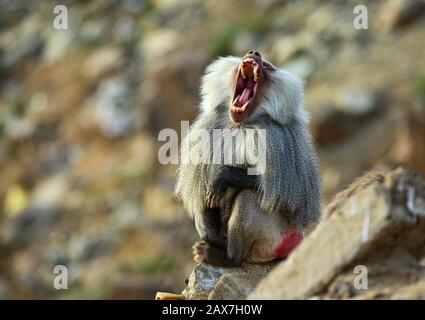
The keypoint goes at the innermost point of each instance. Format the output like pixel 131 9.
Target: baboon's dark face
pixel 250 81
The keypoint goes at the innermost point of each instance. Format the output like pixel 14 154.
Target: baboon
pixel 242 217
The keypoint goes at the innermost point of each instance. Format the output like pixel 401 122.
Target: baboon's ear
pixel 269 66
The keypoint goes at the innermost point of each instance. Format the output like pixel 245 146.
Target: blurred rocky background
pixel 80 112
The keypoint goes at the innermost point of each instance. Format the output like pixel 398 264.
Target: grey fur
pixel 291 182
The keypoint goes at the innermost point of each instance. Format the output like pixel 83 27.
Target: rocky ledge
pixel 372 247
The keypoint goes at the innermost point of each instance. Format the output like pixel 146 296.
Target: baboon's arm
pixel 229 177
pixel 208 225
pixel 238 178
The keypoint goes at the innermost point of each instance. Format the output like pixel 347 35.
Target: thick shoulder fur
pixel 284 101
pixel 193 178
pixel 291 182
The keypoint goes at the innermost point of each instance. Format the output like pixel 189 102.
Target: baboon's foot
pixel 206 252
pixel 215 240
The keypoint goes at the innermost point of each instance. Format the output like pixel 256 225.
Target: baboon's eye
pixel 268 66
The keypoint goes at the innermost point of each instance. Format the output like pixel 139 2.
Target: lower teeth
pixel 239 109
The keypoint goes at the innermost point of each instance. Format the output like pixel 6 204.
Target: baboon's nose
pixel 254 52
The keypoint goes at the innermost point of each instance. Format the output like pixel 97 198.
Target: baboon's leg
pixel 242 226
pixel 240 235
pixel 208 225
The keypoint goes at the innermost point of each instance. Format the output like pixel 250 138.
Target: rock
pixel 13 11
pixel 346 113
pixel 92 31
pixel 167 94
pixel 83 248
pixel 19 128
pixel 125 217
pixel 3 289
pixel 51 192
pixel 125 29
pixel 38 102
pixel 20 45
pixel 409 146
pixel 161 197
pixel 16 199
pixel 397 276
pixel 156 45
pixel 56 158
pixel 209 282
pixel 102 61
pixel 26 227
pixel 57 256
pixel 380 227
pixel 57 44
pixel 285 48
pixel 243 41
pixel 397 13
pixel 320 19
pixel 134 6
pixel 356 101
pixel 365 231
pixel 113 108
pixel 302 66
pixel 134 287
pixel 36 214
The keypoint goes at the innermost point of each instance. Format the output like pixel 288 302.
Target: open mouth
pixel 246 85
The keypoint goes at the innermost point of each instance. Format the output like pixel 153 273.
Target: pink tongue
pixel 244 97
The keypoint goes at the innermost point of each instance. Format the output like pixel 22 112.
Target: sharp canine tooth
pixel 243 71
pixel 245 105
pixel 256 73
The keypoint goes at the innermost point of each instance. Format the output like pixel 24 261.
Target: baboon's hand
pixel 216 192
